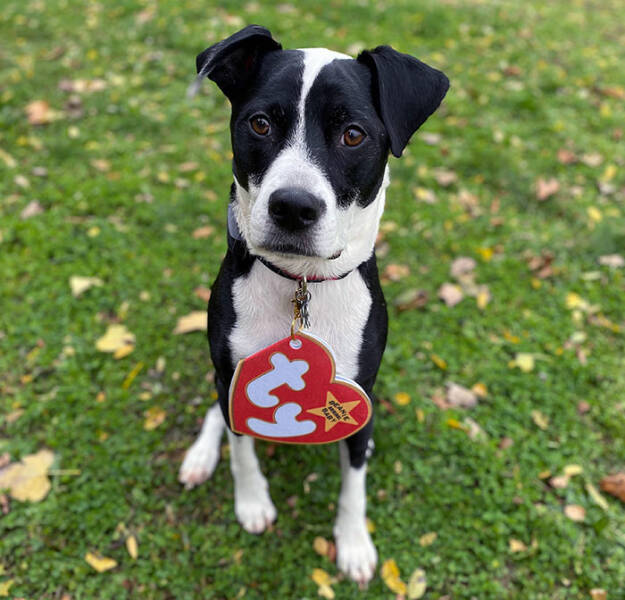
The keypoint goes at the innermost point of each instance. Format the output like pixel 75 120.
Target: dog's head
pixel 311 131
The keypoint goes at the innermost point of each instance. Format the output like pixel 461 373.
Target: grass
pixel 527 80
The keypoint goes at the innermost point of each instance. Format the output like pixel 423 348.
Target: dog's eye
pixel 353 136
pixel 260 124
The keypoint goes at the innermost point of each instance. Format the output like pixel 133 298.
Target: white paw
pixel 254 509
pixel 199 462
pixel 356 555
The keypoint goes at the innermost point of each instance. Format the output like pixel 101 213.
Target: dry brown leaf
pixel 575 512
pixel 614 485
pixel 450 293
pixel 203 232
pixel 462 266
pixel 545 188
pixel 566 157
pixel 202 293
pixel 194 321
pixel 444 177
pixel 459 396
pixel 40 113
pixel 80 284
pixel 410 299
pixel 32 209
pixel 321 545
pixel 117 338
pixel 516 545
pixel 396 272
pixel 598 594
pixel 100 563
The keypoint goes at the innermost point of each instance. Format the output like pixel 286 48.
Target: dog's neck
pixel 357 250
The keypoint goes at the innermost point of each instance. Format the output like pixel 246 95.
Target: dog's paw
pixel 356 555
pixel 254 509
pixel 199 463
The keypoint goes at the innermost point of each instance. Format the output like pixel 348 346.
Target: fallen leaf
pixel 524 361
pixel 390 576
pixel 598 594
pixel 101 164
pixel 203 232
pixel 450 293
pixel 592 159
pixel 325 591
pixel 194 321
pixel 5 586
pixel 462 266
pixel 480 390
pixel 80 284
pixel 575 512
pixel 202 293
pixel 572 470
pixel 117 338
pixel 40 113
pixel 28 480
pixel 615 261
pixel 154 416
pixel 482 297
pixel 559 482
pixel 132 546
pixel 441 363
pixel 460 396
pixel 402 398
pixel 100 563
pixel 427 539
pixel 417 584
pixel 444 177
pixel 410 299
pixel 598 499
pixel 614 485
pixel 396 272
pixel 541 420
pixel 321 545
pixel 473 429
pixel 566 157
pixel 545 188
pixel 516 545
pixel 32 209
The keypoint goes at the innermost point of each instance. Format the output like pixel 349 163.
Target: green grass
pixel 499 132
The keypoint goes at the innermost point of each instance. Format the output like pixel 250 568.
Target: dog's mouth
pixel 291 250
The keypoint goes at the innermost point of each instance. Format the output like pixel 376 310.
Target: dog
pixel 311 132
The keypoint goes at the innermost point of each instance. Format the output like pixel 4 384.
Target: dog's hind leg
pixel 252 503
pixel 202 457
pixel 356 555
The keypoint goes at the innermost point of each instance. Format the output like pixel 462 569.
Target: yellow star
pixel 335 412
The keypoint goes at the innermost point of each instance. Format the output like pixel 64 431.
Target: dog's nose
pixel 295 209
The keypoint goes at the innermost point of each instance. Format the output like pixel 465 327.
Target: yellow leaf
pixel 153 418
pixel 594 213
pixel 320 546
pixel 454 424
pixel 524 361
pixel 572 470
pixel 321 577
pixel 195 321
pixel 438 361
pixel 609 173
pixel 483 297
pixel 115 338
pixel 420 415
pixel 123 352
pixel 427 539
pixel 417 584
pixel 598 594
pixel 28 479
pixel 599 500
pixel 516 545
pixel 390 575
pixel 402 398
pixel 33 489
pixel 131 376
pixel 5 586
pixel 541 420
pixel 79 284
pixel 100 563
pixel 132 546
pixel 325 591
pixel 485 253
pixel 370 525
pixel 480 390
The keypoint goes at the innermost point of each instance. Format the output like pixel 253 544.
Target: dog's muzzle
pixel 294 210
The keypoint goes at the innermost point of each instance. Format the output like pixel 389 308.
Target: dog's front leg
pixel 355 553
pixel 252 503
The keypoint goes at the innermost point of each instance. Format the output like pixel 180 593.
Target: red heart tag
pixel 289 393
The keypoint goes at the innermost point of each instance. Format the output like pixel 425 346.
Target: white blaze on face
pixel 350 231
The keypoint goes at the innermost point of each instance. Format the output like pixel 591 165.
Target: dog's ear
pixel 406 91
pixel 232 62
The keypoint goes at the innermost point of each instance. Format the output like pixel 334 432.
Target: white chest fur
pixel 338 314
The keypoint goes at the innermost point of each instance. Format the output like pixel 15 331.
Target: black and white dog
pixel 311 132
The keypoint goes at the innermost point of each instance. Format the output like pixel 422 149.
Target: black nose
pixel 295 209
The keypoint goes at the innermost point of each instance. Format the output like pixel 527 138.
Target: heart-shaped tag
pixel 289 393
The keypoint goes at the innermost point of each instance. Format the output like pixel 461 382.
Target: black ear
pixel 406 91
pixel 232 62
